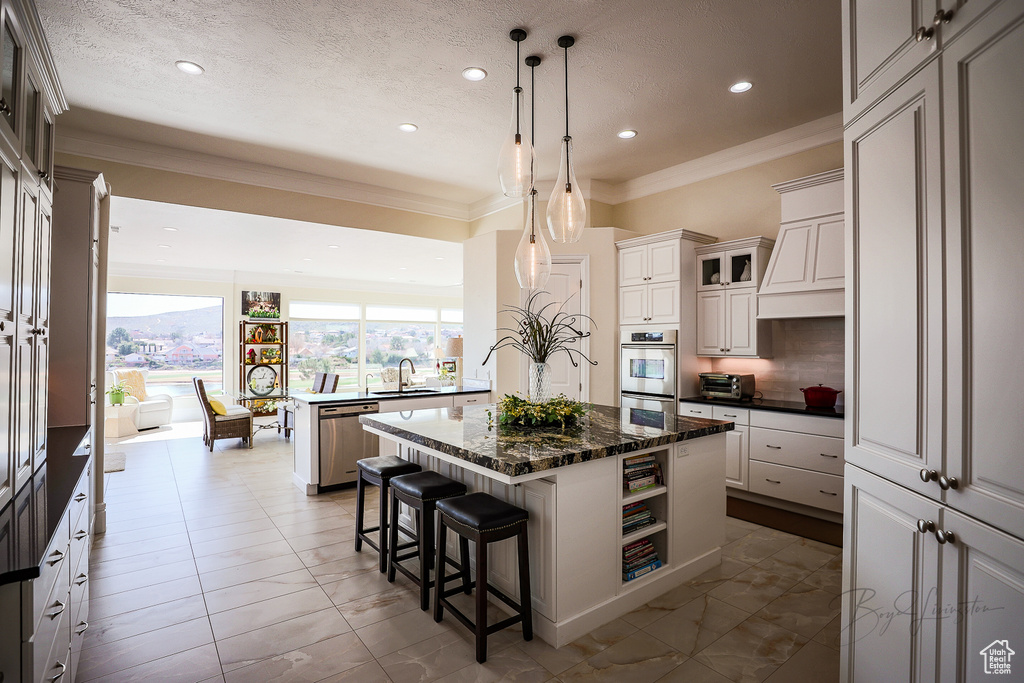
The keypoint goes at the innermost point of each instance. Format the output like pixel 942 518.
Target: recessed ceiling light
pixel 391 278
pixel 287 270
pixel 333 246
pixel 402 268
pixel 160 260
pixel 626 134
pixel 439 258
pixel 171 229
pixel 165 246
pixel 307 259
pixel 408 127
pixel 742 86
pixel 474 73
pixel 191 68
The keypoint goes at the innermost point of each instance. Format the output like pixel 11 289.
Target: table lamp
pixel 453 349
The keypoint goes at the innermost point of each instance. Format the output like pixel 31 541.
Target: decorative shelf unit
pixel 651 502
pixel 262 364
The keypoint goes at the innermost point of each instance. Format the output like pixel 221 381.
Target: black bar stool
pixel 421 491
pixel 378 472
pixel 484 519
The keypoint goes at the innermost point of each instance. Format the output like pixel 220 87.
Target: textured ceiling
pixel 320 85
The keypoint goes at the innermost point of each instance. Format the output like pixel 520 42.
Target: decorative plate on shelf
pixel 262 379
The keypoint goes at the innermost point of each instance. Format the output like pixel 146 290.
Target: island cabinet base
pixel 575 530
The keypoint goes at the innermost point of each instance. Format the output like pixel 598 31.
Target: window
pixel 174 338
pixel 322 346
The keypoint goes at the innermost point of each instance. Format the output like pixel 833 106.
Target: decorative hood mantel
pixel 805 275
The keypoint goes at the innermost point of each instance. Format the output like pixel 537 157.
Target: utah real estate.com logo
pixel 997 657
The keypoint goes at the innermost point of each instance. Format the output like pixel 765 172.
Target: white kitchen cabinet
pixel 737 445
pixel 649 304
pixel 727 323
pixel 650 263
pixel 737 263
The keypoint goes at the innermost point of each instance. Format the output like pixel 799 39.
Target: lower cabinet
pixel 929 594
pixel 737 445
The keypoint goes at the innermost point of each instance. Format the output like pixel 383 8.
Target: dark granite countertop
pixel 357 396
pixel 32 517
pixel 515 451
pixel 766 404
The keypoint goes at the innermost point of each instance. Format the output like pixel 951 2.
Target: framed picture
pixel 270 355
pixel 448 365
pixel 261 304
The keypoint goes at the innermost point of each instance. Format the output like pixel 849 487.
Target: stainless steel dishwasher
pixel 343 442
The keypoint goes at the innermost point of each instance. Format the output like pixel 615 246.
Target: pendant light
pixel 516 156
pixel 567 212
pixel 533 258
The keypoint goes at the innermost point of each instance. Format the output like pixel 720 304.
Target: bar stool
pixel 378 472
pixel 484 519
pixel 421 491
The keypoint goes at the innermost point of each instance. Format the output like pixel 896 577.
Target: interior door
pixel 563 290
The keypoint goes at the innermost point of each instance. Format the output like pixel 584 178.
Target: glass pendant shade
pixel 567 212
pixel 533 258
pixel 515 160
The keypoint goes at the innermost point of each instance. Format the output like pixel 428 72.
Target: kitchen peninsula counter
pixel 571 482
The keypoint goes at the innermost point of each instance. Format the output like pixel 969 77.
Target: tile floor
pixel 215 567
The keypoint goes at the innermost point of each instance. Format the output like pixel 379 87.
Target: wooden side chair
pixel 237 424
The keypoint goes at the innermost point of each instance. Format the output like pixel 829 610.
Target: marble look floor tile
pixel 661 606
pixel 361 586
pixel 692 671
pixel 510 664
pixel 109 629
pixel 190 666
pixel 738 528
pixel 716 576
pixel 826 579
pixel 802 609
pixel 243 573
pixel 796 560
pixel 428 659
pixel 126 550
pixel 208 522
pixel 328 553
pixel 364 673
pixel 271 641
pixel 832 634
pixel 98 587
pixel 159 558
pixel 391 635
pixel 258 590
pixel 216 532
pixel 380 606
pixel 754 548
pixel 315 525
pixel 364 561
pixel 128 601
pixel 312 513
pixel 135 650
pixel 558 660
pixel 267 612
pixel 236 542
pixel 121 525
pixel 814 662
pixel 639 658
pixel 312 663
pixel 697 624
pixel 233 558
pixel 751 652
pixel 752 589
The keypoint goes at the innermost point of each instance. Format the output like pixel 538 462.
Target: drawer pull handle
pixel 81 578
pixel 80 535
pixel 55 558
pixel 57 613
pixel 696 412
pixel 827 455
pixel 727 415
pixel 82 628
pixel 777 448
pixel 63 668
pixel 827 493
pixel 772 481
pixel 80 497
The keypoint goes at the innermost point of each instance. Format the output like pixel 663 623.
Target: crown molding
pixel 809 181
pixel 148 155
pixel 794 140
pixel 493 204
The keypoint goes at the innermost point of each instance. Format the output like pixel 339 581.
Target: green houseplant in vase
pixel 540 337
pixel 117 391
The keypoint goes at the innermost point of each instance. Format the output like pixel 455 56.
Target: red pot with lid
pixel 820 396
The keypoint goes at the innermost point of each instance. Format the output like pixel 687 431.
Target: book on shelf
pixel 638 459
pixel 642 484
pixel 637 573
pixel 637 516
pixel 639 524
pixel 639 561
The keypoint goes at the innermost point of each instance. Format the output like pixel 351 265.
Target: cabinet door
pixel 710 271
pixel 633 305
pixel 737 459
pixel 890 579
pixel 8 286
pixel 741 322
pixel 10 75
pixel 663 261
pixel 983 94
pixel 25 345
pixel 663 302
pixel 983 581
pixel 633 266
pixel 41 344
pixel 741 268
pixel 894 292
pixel 711 323
pixel 880 47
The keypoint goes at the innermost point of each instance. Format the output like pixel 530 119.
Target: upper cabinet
pixel 739 263
pixel 649 263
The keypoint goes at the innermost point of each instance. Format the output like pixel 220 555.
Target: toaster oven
pixel 723 385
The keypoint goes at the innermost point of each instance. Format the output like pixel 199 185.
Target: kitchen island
pixel 571 482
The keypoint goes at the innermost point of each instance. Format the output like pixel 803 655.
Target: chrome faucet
pixel 368 376
pixel 411 367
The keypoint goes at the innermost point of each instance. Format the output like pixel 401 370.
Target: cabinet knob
pixel 945 536
pixel 924 34
pixel 4 107
pixel 944 16
pixel 2 326
pixel 925 526
pixel 947 483
pixel 722 350
pixel 928 475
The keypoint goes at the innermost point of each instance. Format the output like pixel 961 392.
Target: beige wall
pixel 731 206
pixel 139 182
pixel 514 217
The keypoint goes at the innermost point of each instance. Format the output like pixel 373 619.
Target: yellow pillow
pixel 218 407
pixel 135 381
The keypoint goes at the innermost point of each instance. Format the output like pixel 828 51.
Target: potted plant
pixel 540 337
pixel 117 391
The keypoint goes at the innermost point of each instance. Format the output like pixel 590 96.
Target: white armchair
pixel 153 411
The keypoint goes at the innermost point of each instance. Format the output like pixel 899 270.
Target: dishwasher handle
pixel 345 411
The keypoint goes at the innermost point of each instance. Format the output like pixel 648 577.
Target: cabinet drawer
pixel 807 424
pixel 799 486
pixel 695 410
pixel 54 566
pixel 52 636
pixel 471 399
pixel 740 416
pixel 80 540
pixel 811 452
pixel 80 498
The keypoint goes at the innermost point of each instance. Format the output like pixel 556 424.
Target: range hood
pixel 805 277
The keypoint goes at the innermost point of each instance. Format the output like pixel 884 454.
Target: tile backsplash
pixel 807 352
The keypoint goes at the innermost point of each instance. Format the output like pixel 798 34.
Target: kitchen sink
pixel 403 392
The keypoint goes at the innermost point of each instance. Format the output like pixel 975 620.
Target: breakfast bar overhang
pixel 571 481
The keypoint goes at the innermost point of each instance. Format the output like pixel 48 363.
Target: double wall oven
pixel 647 362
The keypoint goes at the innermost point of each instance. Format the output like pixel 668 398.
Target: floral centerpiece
pixel 540 337
pixel 558 411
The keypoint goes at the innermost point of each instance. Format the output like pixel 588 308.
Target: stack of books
pixel 636 516
pixel 640 472
pixel 638 559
